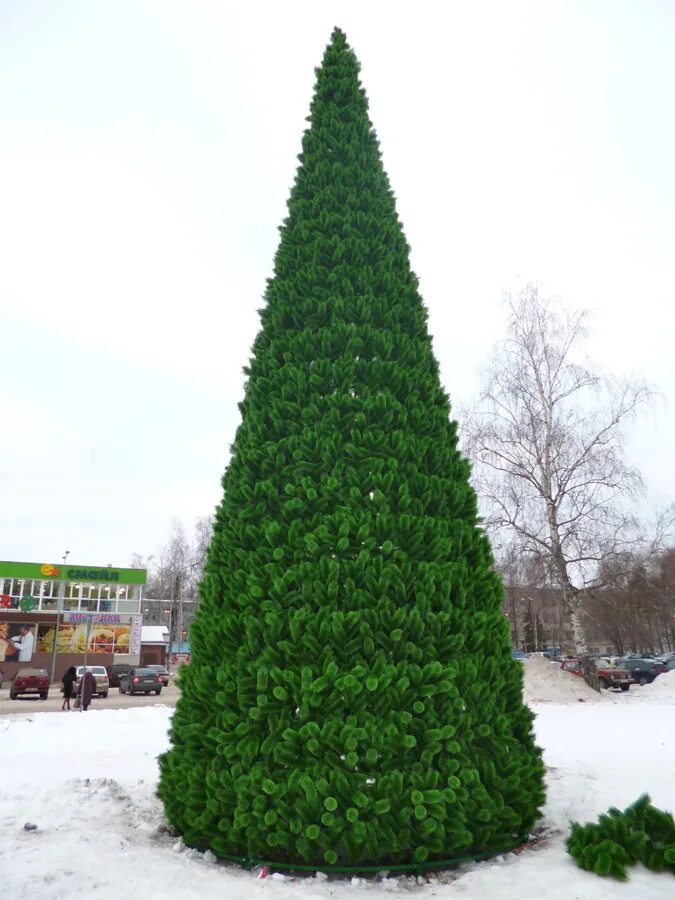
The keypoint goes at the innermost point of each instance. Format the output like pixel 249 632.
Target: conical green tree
pixel 351 697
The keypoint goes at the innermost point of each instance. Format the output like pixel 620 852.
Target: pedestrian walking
pixel 87 688
pixel 68 687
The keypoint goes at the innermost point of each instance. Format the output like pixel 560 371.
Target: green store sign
pixel 52 572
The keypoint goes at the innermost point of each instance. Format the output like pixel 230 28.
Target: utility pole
pixel 176 589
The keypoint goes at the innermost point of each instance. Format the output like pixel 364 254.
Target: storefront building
pixel 52 615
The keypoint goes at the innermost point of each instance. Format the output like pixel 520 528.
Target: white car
pixel 101 677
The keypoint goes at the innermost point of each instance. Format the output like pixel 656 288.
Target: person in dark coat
pixel 87 688
pixel 68 687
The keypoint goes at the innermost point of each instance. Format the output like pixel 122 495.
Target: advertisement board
pixel 136 633
pixel 104 637
pixel 17 641
pixel 49 572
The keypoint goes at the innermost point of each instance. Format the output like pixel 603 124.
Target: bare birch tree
pixel 546 438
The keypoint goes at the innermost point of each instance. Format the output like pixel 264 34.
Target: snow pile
pixel 88 782
pixel 545 682
pixel 662 687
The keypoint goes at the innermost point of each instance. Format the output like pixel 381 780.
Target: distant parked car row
pixel 607 676
pixel 613 671
pixel 120 671
pixel 129 679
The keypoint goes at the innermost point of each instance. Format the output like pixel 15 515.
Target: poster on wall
pixel 72 638
pixel 179 659
pixel 17 641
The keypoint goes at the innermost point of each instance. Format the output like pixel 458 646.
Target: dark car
pixel 116 672
pixel 30 681
pixel 642 671
pixel 140 681
pixel 162 672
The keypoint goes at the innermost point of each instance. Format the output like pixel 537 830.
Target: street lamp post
pixel 172 611
pixel 59 607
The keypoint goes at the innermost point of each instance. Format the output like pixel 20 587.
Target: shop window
pixel 107 601
pixel 48 602
pixel 131 595
pixel 17 592
pixel 50 594
pixel 127 606
pixel 72 596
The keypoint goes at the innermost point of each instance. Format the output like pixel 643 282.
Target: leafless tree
pixel 546 438
pixel 523 575
pixel 635 607
pixel 200 544
pixel 175 572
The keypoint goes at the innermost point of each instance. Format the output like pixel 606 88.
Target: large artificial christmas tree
pixel 351 698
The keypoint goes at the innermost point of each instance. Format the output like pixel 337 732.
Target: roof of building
pixel 154 634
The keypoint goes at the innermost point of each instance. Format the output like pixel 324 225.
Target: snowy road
pixel 114 700
pixel 88 783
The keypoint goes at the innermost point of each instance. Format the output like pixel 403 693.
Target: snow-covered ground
pixel 88 782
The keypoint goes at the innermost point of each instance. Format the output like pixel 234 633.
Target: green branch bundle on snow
pixel 642 833
pixel 351 697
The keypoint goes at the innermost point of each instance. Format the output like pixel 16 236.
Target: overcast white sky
pixel 147 150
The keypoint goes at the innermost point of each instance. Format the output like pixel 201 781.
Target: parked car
pixel 519 655
pixel 101 677
pixel 30 681
pixel 608 676
pixel 116 672
pixel 140 681
pixel 162 672
pixel 642 671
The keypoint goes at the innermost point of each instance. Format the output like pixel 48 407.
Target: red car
pixel 30 681
pixel 606 676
